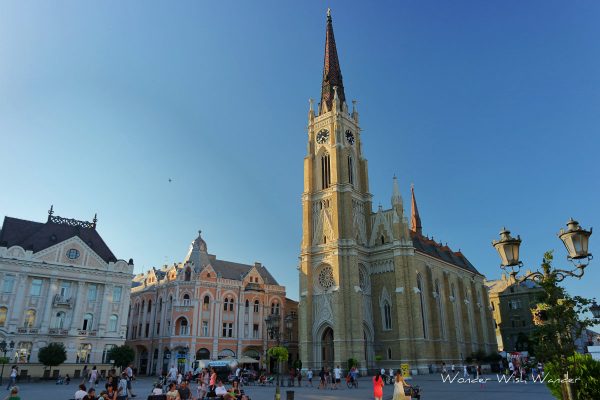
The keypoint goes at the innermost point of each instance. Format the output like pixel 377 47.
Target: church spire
pixel 415 220
pixel 332 74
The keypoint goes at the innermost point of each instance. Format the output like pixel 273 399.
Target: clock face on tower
pixel 349 137
pixel 322 136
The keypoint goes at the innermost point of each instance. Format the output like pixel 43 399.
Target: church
pixel 372 287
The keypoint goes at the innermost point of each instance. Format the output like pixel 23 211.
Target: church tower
pixel 335 321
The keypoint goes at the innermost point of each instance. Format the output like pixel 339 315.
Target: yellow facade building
pixel 371 287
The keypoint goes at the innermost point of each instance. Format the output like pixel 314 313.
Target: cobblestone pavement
pixel 431 385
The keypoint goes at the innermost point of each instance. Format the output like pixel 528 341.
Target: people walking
pixel 378 386
pixel 465 372
pixel 322 378
pixel 309 377
pixel 84 374
pixel 399 388
pixel 13 377
pixel 93 378
pixel 129 372
pixel 81 393
pixel 337 374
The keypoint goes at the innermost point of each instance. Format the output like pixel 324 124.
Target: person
pixel 179 378
pixel 378 386
pixel 13 377
pixel 452 369
pixel 81 392
pixel 299 378
pixel 234 393
pixel 238 373
pixel 122 390
pixel 91 394
pixel 84 374
pixel 184 391
pixel 203 381
pixel 110 393
pixel 172 374
pixel 399 388
pixel 309 376
pixel 292 376
pixel 172 393
pixel 104 395
pixel 465 372
pixel 220 390
pixel 391 375
pixel 354 376
pixel 93 377
pixel 322 377
pixel 129 372
pixel 212 382
pixel 14 394
pixel 67 379
pixel 158 390
pixel 337 373
pixel 444 369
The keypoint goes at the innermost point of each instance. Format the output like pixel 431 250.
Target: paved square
pixel 431 388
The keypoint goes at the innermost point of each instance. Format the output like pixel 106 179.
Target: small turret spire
pixel 332 74
pixel 396 197
pixel 415 219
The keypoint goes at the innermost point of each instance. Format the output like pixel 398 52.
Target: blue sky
pixel 490 108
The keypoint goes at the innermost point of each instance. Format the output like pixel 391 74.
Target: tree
pixel 559 319
pixel 579 366
pixel 121 355
pixel 52 355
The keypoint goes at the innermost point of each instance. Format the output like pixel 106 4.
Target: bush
pixel 352 362
pixel 579 366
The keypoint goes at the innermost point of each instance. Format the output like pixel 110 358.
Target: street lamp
pixel 289 324
pixel 576 240
pixel 5 348
pixel 272 322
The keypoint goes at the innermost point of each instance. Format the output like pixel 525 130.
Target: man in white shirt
pixel 129 372
pixel 337 374
pixel 80 393
pixel 173 374
pixel 220 390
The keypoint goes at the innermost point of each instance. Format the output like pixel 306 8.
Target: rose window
pixel 326 278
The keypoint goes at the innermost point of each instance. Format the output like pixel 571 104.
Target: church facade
pixel 373 288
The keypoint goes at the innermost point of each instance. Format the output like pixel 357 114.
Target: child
pixel 67 379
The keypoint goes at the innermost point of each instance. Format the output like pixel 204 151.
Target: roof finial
pixel 50 212
pixel 95 220
pixel 328 13
pixel 415 219
pixel 396 197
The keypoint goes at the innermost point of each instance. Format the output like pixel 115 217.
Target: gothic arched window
pixel 256 306
pixel 438 300
pixel 205 303
pixel 422 304
pixel 350 171
pixel 387 316
pixel 188 274
pixel 325 171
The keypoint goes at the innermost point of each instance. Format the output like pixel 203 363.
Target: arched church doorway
pixel 327 347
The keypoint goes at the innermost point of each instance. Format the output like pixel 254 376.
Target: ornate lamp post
pixel 576 240
pixel 272 322
pixel 5 348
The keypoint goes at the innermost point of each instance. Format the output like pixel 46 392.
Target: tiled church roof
pixel 332 73
pixel 430 247
pixel 37 236
pixel 233 270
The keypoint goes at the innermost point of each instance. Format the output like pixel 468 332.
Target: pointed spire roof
pixel 415 219
pixel 396 197
pixel 332 74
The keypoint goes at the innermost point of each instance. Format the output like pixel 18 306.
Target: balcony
pixel 63 301
pixel 83 332
pixel 58 332
pixel 28 331
pixel 184 305
pixel 253 287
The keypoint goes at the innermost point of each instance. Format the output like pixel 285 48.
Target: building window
pixel 149 306
pixel 188 274
pixel 184 329
pixel 3 314
pixel 350 171
pixel 186 300
pixel 255 332
pixel 84 353
pixel 438 301
pixel 387 315
pixel 325 171
pixel 147 330
pixel 29 319
pixel 117 291
pixel 160 304
pixel 493 307
pixel 205 328
pixel 92 292
pixel 256 306
pixel 158 328
pixel 73 254
pixel 65 288
pixel 205 303
pixel 422 304
pixel 59 320
pixel 9 282
pixel 275 308
pixel 389 353
pixel 36 287
pixel 247 305
pixel 112 323
pixel 88 321
pixel 228 329
pixel 106 351
pixel 228 304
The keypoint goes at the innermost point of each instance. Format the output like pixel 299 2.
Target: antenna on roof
pixel 95 220
pixel 50 212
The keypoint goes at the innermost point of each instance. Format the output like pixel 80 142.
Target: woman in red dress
pixel 377 386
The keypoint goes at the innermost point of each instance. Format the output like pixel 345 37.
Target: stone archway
pixel 327 350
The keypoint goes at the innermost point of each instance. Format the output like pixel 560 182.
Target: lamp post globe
pixel 576 240
pixel 508 248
